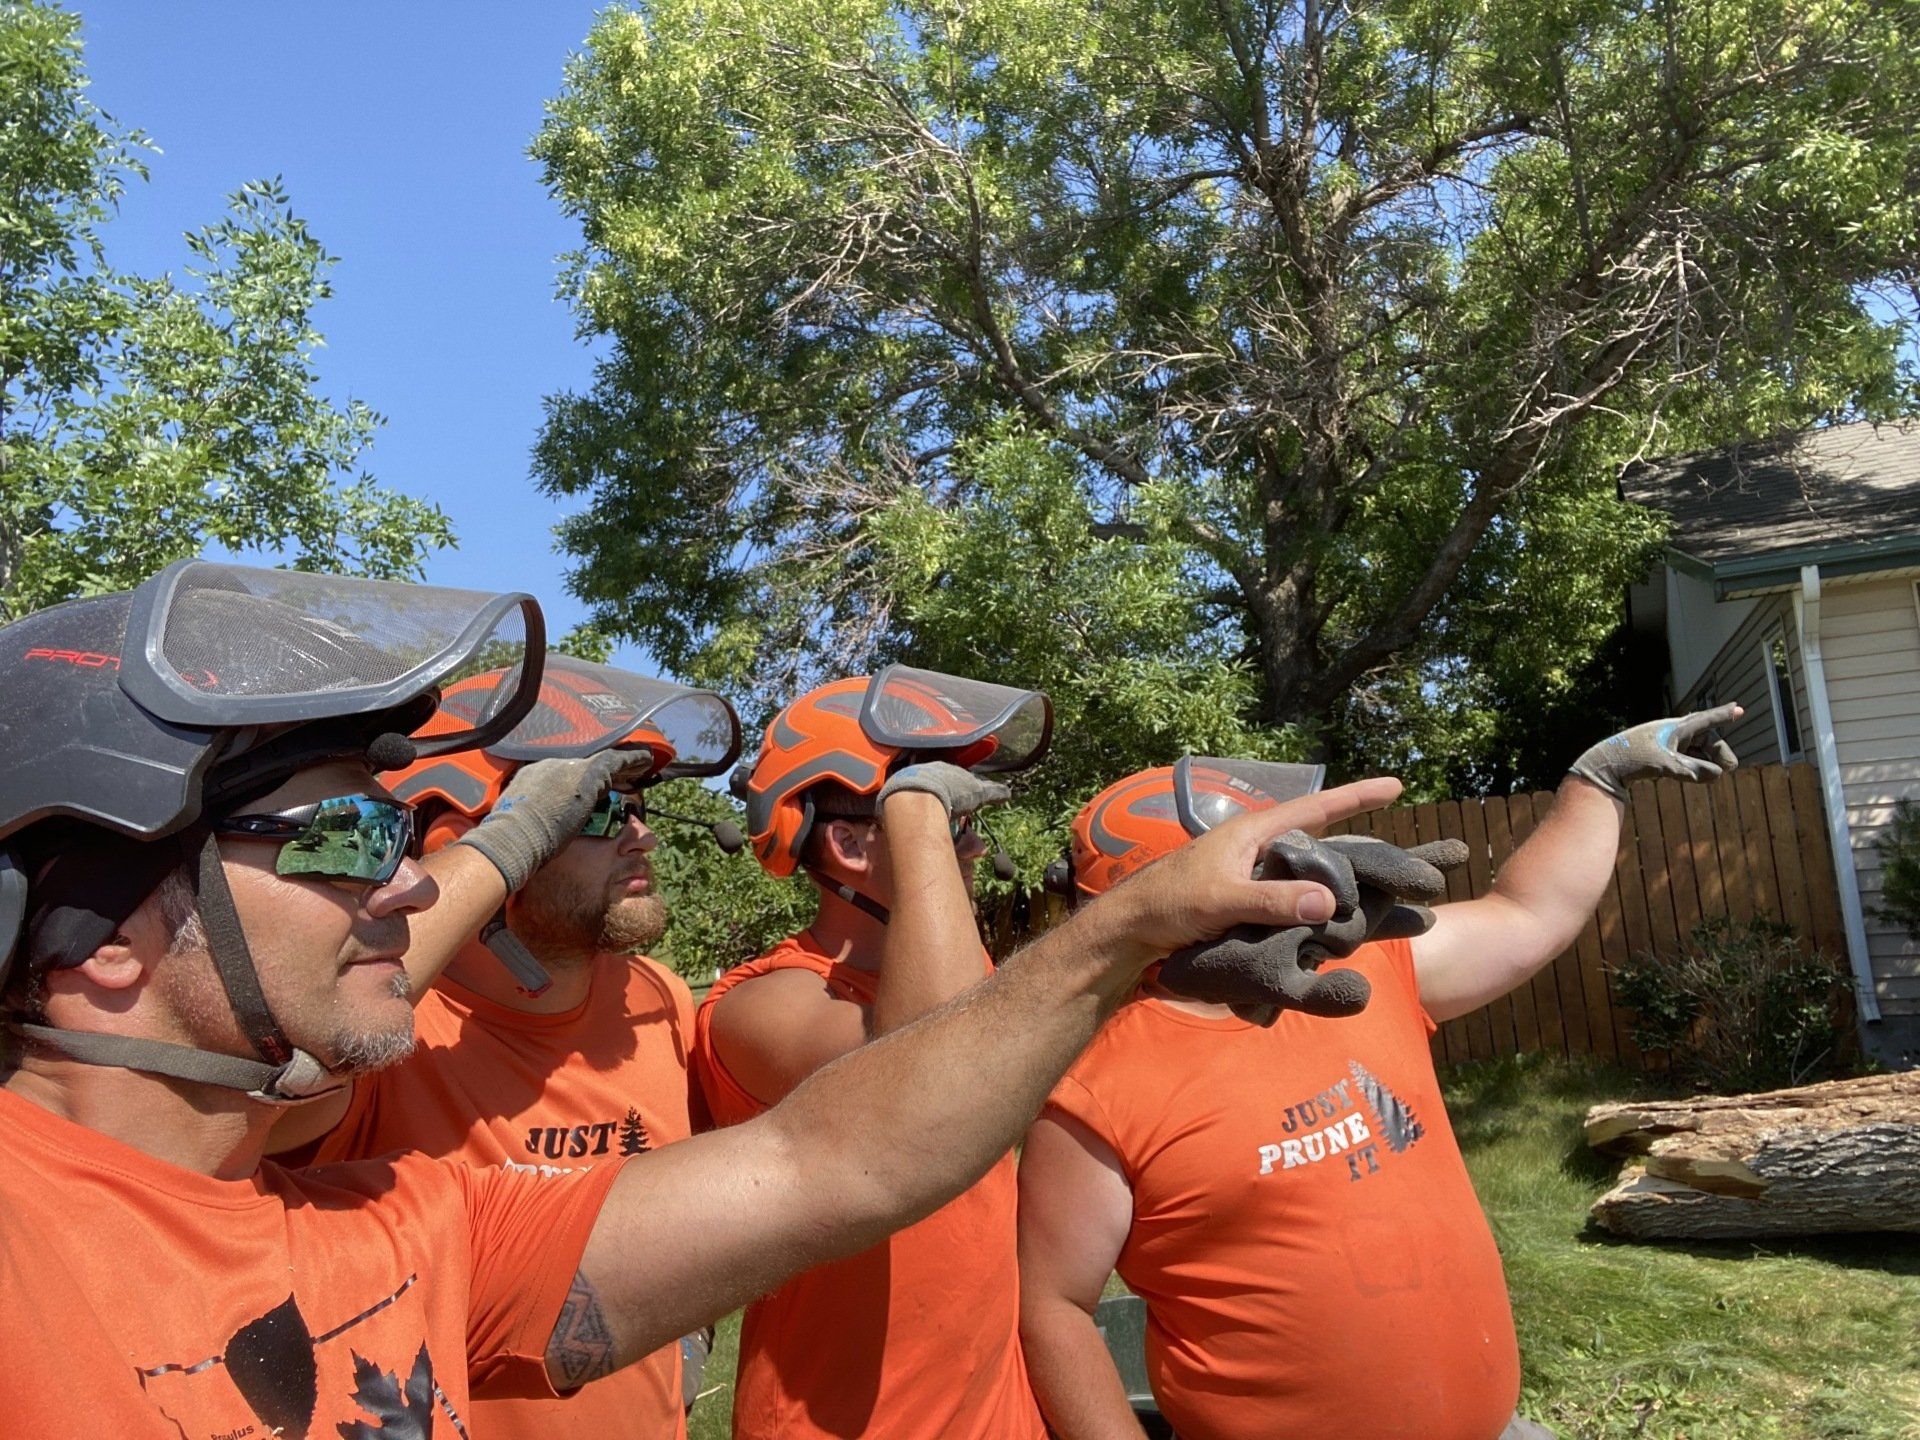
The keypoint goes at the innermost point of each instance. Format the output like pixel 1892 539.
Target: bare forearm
pixel 932 949
pixel 1073 1373
pixel 888 1133
pixel 470 891
pixel 870 1143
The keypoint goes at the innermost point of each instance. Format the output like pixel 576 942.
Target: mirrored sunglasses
pixel 347 837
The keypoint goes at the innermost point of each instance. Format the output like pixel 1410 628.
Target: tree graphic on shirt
pixel 633 1134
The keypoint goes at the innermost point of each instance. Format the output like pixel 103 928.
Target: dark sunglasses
pixel 347 837
pixel 613 812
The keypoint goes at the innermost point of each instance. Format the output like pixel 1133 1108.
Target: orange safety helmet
pixel 1152 812
pixel 851 734
pixel 582 709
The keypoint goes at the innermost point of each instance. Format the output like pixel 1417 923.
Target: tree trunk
pixel 1819 1159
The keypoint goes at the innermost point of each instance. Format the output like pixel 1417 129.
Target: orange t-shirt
pixel 141 1299
pixel 494 1086
pixel 1312 1255
pixel 917 1338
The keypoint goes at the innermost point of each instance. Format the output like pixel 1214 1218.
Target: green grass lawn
pixel 1819 1339
pixel 1814 1341
pixel 712 1417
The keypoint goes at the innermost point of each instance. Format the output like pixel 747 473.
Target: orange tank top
pixel 1309 1246
pixel 917 1338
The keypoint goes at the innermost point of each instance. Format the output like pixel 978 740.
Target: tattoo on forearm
pixel 581 1347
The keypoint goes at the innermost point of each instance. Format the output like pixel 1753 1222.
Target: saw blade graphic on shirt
pixel 1396 1118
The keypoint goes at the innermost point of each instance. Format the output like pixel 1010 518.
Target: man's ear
pixel 124 959
pixel 849 844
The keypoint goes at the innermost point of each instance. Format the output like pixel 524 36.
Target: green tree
pixel 1356 311
pixel 722 909
pixel 143 418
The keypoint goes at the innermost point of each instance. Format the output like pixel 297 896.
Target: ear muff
pixel 1057 879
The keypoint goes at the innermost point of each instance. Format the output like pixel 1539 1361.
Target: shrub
pixel 721 909
pixel 1899 847
pixel 1740 1008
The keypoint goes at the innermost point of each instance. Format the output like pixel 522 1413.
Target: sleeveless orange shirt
pixel 502 1089
pixel 1312 1255
pixel 917 1338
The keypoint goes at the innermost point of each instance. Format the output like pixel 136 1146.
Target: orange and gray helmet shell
pixel 582 709
pixel 1153 812
pixel 851 734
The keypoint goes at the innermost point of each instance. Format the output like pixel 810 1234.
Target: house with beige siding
pixel 1791 584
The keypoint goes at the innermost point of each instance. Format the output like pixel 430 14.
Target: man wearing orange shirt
pixel 206 905
pixel 556 1072
pixel 1289 1201
pixel 918 1338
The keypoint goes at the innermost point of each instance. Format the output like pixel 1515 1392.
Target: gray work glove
pixel 1380 892
pixel 960 792
pixel 1261 972
pixel 1686 746
pixel 544 806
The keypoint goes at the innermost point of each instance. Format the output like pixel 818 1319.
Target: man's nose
pixel 634 837
pixel 411 889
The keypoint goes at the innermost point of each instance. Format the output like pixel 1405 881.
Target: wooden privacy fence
pixel 1752 843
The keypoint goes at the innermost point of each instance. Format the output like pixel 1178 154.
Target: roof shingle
pixel 1841 485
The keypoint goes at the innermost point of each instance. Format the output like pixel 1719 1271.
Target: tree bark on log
pixel 1819 1159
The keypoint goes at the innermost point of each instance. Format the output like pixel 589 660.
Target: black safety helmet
pixel 130 721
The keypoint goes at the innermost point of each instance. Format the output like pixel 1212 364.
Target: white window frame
pixel 1778 636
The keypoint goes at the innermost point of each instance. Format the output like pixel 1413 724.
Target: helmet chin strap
pixel 864 903
pixel 301 1079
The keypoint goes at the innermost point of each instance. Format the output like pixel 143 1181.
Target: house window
pixel 1786 709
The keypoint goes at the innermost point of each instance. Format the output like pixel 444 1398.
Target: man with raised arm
pixel 206 901
pixel 920 1336
pixel 575 1051
pixel 1289 1201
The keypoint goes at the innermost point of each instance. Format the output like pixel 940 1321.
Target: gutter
pixel 1806 617
pixel 1747 575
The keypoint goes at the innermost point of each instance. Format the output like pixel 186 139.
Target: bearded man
pixel 562 1070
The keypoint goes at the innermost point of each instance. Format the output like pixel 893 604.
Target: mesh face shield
pixel 211 683
pixel 217 646
pixel 983 727
pixel 1208 792
pixel 585 708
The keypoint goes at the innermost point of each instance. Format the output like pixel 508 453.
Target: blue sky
pixel 401 134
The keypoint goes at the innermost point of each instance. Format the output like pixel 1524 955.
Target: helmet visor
pixel 1208 792
pixel 217 646
pixel 585 708
pixel 985 727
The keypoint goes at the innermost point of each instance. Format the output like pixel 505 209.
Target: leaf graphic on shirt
pixel 400 1417
pixel 270 1360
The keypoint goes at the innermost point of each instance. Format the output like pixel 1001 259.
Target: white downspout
pixel 1806 616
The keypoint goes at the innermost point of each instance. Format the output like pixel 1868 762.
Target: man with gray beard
pixel 512 1072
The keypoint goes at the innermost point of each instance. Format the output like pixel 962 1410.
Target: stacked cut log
pixel 1820 1159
